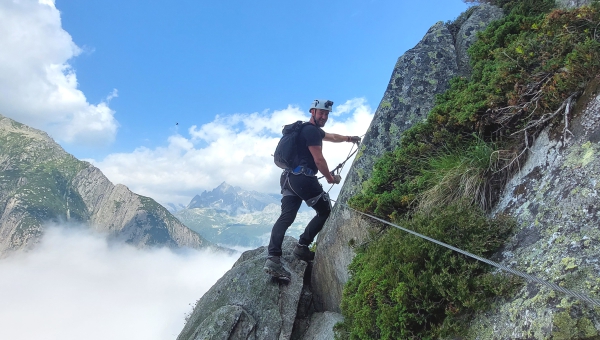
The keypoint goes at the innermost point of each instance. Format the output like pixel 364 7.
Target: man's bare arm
pixel 335 138
pixel 317 153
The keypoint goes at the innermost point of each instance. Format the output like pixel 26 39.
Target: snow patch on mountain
pixel 233 217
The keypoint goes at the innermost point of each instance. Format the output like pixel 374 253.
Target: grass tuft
pixel 459 175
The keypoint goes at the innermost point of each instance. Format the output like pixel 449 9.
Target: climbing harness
pixel 532 278
pixel 288 190
pixel 302 170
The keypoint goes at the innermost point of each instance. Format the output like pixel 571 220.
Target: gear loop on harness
pixel 312 201
pixel 288 190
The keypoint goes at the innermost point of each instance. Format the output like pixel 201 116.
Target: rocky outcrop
pixel 419 75
pixel 129 217
pixel 468 24
pixel 321 326
pixel 41 183
pixel 555 199
pixel 572 3
pixel 246 303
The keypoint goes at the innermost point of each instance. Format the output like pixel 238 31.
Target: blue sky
pixel 109 80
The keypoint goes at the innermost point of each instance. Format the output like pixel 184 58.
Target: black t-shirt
pixel 310 135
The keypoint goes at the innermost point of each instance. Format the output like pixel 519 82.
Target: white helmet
pixel 322 104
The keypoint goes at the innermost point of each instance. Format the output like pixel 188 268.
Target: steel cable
pixel 532 278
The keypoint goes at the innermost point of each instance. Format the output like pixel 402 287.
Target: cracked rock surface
pixel 249 303
pixel 555 200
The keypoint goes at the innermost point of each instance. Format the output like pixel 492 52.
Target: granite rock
pixel 418 76
pixel 555 198
pixel 272 304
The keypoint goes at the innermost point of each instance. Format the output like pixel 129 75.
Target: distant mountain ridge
pixel 231 216
pixel 233 200
pixel 41 183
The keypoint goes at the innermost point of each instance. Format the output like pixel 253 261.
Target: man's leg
pixel 289 209
pixel 311 191
pixel 301 251
pixel 323 209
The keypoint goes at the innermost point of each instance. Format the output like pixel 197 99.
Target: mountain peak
pixel 225 187
pixel 74 191
pixel 233 200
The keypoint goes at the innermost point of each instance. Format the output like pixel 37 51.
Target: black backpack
pixel 286 152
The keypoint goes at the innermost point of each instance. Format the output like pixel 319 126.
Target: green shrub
pixel 422 175
pixel 404 287
pixel 526 67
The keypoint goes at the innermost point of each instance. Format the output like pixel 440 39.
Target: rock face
pixel 41 183
pixel 246 303
pixel 418 76
pixel 555 199
pixel 572 3
pixel 468 24
pixel 130 217
pixel 321 326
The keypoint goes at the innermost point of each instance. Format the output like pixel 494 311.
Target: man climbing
pixel 300 183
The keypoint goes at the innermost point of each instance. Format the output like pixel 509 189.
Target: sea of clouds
pixel 77 285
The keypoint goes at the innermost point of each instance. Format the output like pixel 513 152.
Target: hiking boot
pixel 303 253
pixel 274 268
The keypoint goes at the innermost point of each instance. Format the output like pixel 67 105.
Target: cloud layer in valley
pixel 39 86
pixel 235 148
pixel 76 285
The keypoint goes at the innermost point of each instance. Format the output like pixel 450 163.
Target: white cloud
pixel 39 87
pixel 233 148
pixel 75 285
